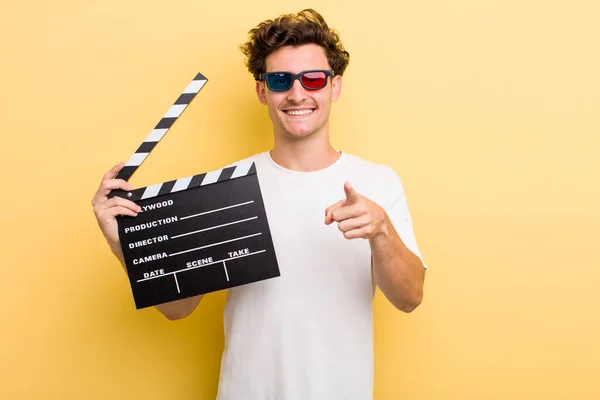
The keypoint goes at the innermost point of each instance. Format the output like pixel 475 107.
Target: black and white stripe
pixel 243 168
pixel 162 127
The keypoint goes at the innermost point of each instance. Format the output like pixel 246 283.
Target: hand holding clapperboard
pixel 197 234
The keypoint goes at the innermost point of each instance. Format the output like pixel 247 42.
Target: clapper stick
pixel 196 234
pixel 159 131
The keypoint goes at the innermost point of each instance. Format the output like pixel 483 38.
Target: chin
pixel 300 131
pixel 299 134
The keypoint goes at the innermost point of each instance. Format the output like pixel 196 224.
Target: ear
pixel 260 93
pixel 336 88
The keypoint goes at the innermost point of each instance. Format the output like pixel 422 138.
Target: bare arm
pixel 106 211
pixel 398 272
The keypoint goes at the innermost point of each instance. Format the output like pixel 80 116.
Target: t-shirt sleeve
pixel 396 207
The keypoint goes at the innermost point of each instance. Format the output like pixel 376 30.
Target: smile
pixel 299 112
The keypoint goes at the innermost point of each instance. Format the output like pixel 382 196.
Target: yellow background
pixel 488 110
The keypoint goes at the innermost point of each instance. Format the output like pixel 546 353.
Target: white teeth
pixel 298 112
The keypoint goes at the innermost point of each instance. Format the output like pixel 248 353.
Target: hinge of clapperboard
pixel 152 140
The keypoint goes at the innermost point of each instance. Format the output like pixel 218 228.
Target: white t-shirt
pixel 308 334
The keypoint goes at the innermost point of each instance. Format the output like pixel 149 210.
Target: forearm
pixel 397 271
pixel 173 310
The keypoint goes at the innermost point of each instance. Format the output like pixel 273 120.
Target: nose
pixel 297 93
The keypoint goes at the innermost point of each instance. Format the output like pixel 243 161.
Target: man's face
pixel 298 113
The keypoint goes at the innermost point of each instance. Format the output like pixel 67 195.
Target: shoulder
pixel 378 182
pixel 372 171
pixel 257 158
pixel 246 160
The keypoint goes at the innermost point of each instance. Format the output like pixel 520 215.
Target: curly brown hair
pixel 307 26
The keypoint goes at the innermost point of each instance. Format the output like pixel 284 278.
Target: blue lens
pixel 279 82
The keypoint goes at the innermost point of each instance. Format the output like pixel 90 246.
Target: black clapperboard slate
pixel 197 234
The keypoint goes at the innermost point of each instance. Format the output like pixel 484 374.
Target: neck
pixel 308 154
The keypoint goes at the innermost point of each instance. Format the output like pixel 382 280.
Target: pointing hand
pixel 357 216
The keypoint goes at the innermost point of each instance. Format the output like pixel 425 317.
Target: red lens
pixel 314 80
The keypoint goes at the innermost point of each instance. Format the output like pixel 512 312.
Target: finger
pixel 118 202
pixel 352 211
pixel 107 186
pixel 354 223
pixel 351 194
pixel 361 233
pixel 329 210
pixel 113 184
pixel 114 171
pixel 112 212
pixel 102 192
pixel 364 232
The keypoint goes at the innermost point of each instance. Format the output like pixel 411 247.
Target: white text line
pixel 212 227
pixel 218 209
pixel 214 244
pixel 200 266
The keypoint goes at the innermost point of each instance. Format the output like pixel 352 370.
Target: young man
pixel 340 227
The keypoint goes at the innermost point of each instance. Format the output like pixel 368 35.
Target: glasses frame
pixel 264 77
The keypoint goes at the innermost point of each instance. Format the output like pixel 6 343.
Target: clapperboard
pixel 197 234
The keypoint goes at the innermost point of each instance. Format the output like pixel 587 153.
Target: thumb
pixel 351 195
